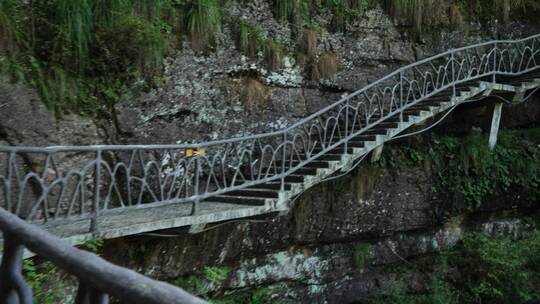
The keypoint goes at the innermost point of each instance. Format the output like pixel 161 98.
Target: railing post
pixel 94 225
pixel 195 208
pixel 282 196
pixel 346 127
pixel 401 97
pixel 494 62
pixel 8 203
pixel 13 288
pixel 453 68
pixel 283 156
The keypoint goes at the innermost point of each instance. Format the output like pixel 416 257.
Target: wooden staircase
pixel 332 162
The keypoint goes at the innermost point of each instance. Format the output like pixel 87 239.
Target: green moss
pixel 467 170
pixel 205 283
pixel 216 275
pixel 193 284
pixel 203 22
pixel 251 41
pixel 256 296
pixel 92 245
pixel 477 270
pixel 202 283
pixel 362 255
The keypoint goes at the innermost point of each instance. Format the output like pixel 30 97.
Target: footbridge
pixel 87 192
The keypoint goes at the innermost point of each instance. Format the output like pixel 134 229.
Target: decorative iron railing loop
pixel 67 183
pixel 98 279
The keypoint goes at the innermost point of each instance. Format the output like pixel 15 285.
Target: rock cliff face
pixel 344 238
pixel 223 94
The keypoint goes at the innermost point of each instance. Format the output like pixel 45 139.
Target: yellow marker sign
pixel 190 152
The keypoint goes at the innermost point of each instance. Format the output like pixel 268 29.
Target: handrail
pixel 281 131
pixel 73 182
pixel 97 278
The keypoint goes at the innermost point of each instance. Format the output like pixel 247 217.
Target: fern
pixel 251 41
pixel 295 11
pixel 75 19
pixel 107 12
pixel 10 34
pixel 203 22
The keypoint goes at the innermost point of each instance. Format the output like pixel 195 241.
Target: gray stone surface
pixel 25 121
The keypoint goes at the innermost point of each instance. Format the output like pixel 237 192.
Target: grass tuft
pixel 254 94
pixel 203 23
pixel 327 65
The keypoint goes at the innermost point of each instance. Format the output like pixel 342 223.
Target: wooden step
pixel 356 144
pixel 339 149
pixel 313 164
pixel 300 171
pixel 328 156
pixel 420 107
pixel 254 192
pixel 271 185
pixel 239 200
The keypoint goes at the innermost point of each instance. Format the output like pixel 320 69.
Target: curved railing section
pixel 64 183
pixel 98 279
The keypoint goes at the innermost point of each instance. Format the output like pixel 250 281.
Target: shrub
pixel 251 41
pixel 203 23
pixel 478 270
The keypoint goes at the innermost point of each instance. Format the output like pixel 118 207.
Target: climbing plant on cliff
pixel 477 270
pixel 82 55
pixel 77 52
pixel 469 172
pixel 203 22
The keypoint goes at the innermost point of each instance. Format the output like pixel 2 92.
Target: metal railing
pixel 97 278
pixel 45 184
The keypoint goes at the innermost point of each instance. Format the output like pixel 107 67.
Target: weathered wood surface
pixel 117 223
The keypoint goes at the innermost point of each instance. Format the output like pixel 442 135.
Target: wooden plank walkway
pixel 122 222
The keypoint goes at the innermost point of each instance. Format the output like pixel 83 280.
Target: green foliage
pixel 478 270
pixel 346 11
pixel 426 15
pixel 301 11
pixel 291 10
pixel 203 22
pixel 131 43
pixel 437 292
pixel 250 40
pixel 486 10
pixel 11 35
pixel 75 24
pixel 362 255
pixel 92 245
pixel 201 284
pixel 82 55
pixel 467 169
pixel 193 284
pixel 37 276
pixel 257 296
pixel 422 15
pixel 500 270
pixel 216 275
